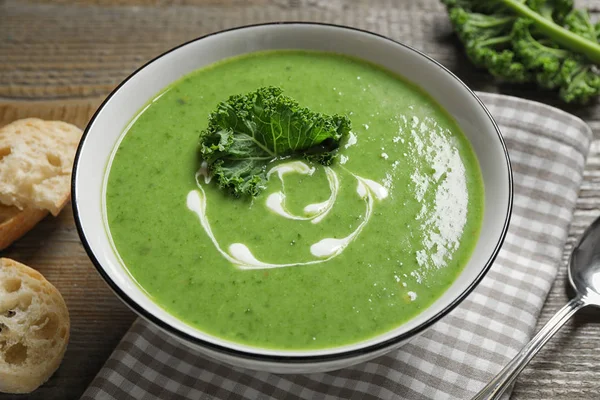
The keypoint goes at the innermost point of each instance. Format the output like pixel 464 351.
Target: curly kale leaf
pixel 487 39
pixel 543 59
pixel 249 131
pixel 554 67
pixel 543 41
pixel 554 10
pixel 581 82
pixel 578 21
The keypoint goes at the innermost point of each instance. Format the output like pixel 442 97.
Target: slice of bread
pixel 14 223
pixel 36 158
pixel 34 328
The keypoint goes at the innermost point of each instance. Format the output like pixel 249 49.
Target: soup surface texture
pixel 323 257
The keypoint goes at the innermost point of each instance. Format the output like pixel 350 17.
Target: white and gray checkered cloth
pixel 455 358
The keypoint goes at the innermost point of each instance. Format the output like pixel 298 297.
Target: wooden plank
pixel 59 58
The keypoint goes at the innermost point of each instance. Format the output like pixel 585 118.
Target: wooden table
pixel 59 59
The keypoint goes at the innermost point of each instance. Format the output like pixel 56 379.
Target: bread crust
pixel 35 328
pixel 15 223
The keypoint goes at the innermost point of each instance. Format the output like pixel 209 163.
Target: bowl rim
pixel 291 359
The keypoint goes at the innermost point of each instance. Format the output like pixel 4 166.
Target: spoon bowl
pixel 584 264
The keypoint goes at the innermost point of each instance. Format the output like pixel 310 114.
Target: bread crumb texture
pixel 36 158
pixel 34 328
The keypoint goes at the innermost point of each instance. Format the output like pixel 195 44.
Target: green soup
pixel 336 256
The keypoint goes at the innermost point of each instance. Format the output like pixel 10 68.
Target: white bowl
pixel 125 102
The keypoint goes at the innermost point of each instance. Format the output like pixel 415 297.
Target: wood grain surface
pixel 58 59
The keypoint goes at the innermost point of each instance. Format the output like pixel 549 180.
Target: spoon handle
pixel 502 381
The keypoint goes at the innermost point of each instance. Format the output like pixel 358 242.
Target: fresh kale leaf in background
pixel 247 132
pixel 547 42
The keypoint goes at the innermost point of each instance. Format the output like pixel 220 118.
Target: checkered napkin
pixel 452 360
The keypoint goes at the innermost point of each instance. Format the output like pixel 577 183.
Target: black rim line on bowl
pixel 288 358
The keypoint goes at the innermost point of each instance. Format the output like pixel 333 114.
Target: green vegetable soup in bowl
pixel 292 197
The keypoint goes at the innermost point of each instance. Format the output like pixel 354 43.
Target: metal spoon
pixel 584 275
